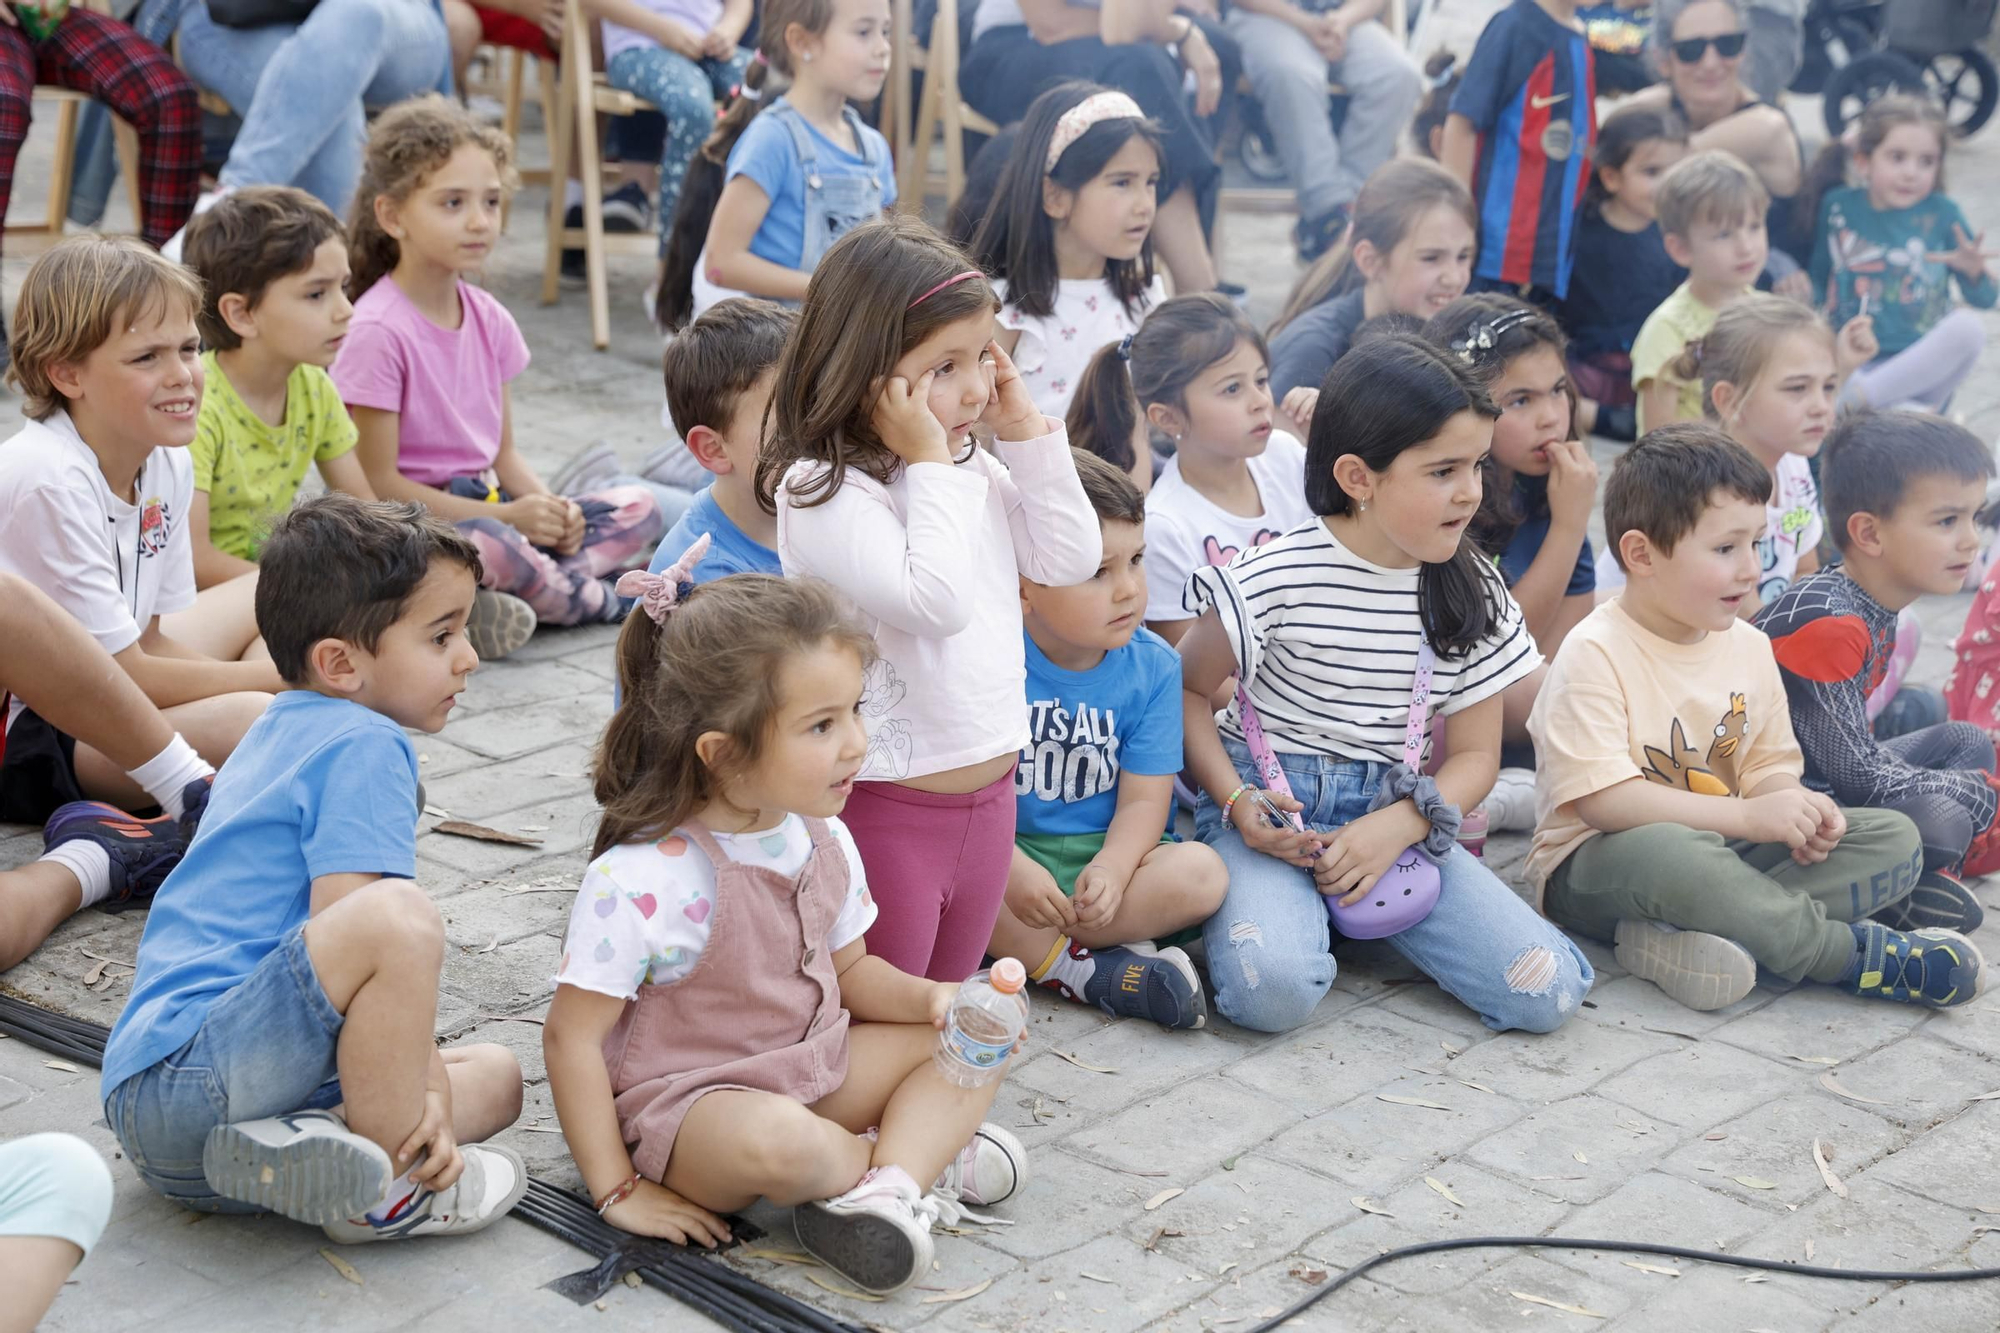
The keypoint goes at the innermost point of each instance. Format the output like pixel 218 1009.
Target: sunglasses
pixel 1729 46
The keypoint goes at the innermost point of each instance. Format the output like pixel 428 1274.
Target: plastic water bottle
pixel 986 1019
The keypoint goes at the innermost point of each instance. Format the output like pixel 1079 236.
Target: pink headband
pixel 660 593
pixel 1092 109
pixel 952 281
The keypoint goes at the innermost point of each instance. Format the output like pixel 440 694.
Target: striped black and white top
pixel 1326 643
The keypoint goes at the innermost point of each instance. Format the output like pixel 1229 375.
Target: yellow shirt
pixel 251 470
pixel 1620 702
pixel 1674 323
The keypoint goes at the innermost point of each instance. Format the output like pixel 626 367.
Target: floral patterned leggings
pixel 618 524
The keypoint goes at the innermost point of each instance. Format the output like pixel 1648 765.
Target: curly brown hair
pixel 409 141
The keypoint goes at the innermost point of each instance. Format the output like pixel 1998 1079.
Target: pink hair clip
pixel 952 281
pixel 660 593
pixel 1074 122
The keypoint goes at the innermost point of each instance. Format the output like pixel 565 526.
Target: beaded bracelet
pixel 1231 802
pixel 619 1195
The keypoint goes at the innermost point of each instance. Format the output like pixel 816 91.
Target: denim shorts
pixel 266 1047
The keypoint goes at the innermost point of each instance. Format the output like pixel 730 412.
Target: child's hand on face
pixel 1098 895
pixel 1856 346
pixel 654 1210
pixel 904 421
pixel 542 518
pixel 1360 853
pixel 1011 411
pixel 1572 482
pixel 1298 407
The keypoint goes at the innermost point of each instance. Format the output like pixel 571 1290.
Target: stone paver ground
pixel 1183 1181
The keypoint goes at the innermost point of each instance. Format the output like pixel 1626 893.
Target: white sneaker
pixel 877 1235
pixel 308 1166
pixel 206 201
pixel 991 1169
pixel 1702 971
pixel 1510 806
pixel 493 1181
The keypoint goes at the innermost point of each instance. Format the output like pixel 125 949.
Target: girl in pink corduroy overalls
pixel 719 1031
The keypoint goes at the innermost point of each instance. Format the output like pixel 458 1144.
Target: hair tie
pixel 661 593
pixel 1483 337
pixel 757 57
pixel 1125 348
pixel 1070 126
pixel 952 281
pixel 745 92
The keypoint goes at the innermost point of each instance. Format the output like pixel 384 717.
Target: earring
pixel 807 56
pixel 1361 506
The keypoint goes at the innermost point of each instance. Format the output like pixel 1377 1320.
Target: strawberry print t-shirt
pixel 642 916
pixel 1186 531
pixel 1053 351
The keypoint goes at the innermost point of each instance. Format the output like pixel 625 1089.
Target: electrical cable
pixel 1306 1302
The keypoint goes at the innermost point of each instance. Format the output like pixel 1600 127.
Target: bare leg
pixel 1177 885
pixel 485 1090
pixel 222 623
pixel 377 954
pixel 33 1269
pixel 34 900
pixel 1182 246
pixel 891 1081
pixel 50 663
pixel 214 727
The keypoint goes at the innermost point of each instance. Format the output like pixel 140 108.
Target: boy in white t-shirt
pixel 97 489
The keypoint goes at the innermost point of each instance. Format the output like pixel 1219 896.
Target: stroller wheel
pixel 1862 80
pixel 1967 85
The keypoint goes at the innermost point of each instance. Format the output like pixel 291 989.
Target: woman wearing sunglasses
pixel 1700 45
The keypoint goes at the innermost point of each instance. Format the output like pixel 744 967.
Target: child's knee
pixel 399 918
pixel 1545 985
pixel 1262 983
pixel 788 1144
pixel 497 1074
pixel 1203 878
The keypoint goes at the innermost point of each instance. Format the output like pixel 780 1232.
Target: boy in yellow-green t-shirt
pixel 273 266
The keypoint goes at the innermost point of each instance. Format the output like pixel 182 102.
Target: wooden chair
pixel 940 110
pixel 510 121
pixel 581 97
pixel 62 172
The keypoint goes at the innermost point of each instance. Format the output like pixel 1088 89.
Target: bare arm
pixel 516 476
pixel 211 566
pixel 376 451
pixel 1638 801
pixel 346 474
pixel 1761 136
pixel 1459 152
pixel 1173 631
pixel 875 990
pixel 1143 801
pixel 738 215
pixel 1129 22
pixel 1543 591
pixel 171 674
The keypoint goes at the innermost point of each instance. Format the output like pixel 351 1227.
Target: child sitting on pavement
pixel 1094 870
pixel 1672 817
pixel 273 266
pixel 290 965
pixel 1901 489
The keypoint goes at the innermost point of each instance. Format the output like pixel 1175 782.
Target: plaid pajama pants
pixel 105 59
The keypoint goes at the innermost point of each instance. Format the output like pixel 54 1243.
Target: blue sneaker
pixel 1935 968
pixel 1939 902
pixel 1127 983
pixel 142 851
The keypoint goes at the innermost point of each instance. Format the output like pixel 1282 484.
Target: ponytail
pixel 701 190
pixel 1104 413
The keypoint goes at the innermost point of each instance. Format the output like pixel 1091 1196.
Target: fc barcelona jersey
pixel 1530 90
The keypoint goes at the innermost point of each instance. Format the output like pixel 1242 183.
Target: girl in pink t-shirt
pixel 424 370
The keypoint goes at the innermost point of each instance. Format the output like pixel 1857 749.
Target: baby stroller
pixel 1856 50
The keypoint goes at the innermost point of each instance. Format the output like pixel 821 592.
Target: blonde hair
pixel 1738 349
pixel 411 140
pixel 73 299
pixel 1711 187
pixel 1391 203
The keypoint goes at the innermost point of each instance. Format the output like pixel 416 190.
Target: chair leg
pixel 590 166
pixel 127 140
pixel 61 170
pixel 510 119
pixel 558 115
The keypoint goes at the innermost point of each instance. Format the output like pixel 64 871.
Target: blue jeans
pixel 685 91
pixel 301 89
pixel 267 1046
pixel 1268 946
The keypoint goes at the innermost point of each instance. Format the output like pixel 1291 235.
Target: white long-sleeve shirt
pixel 933 561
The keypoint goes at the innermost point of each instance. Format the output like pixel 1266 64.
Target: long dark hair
pixel 1179 340
pixel 769 75
pixel 1016 242
pixel 1620 136
pixel 1388 395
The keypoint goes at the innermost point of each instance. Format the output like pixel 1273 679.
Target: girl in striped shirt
pixel 1323 626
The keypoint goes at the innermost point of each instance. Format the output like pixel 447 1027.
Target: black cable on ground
pixel 1306 1302
pixel 732 1299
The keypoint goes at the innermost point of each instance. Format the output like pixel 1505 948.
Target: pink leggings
pixel 937 869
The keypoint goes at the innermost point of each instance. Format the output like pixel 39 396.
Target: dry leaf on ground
pixel 1832 1085
pixel 962 1294
pixel 1477 1087
pixel 1661 1269
pixel 1755 1182
pixel 342 1267
pixel 1557 1305
pixel 1162 1197
pixel 826 1284
pixel 1826 1171
pixel 1813 1059
pixel 781 1257
pixel 460 828
pixel 1367 1205
pixel 1985 1096
pixel 1312 1277
pixel 63 1065
pixel 1443 1189
pixel 1109 1281
pixel 1411 1101
pixel 1065 1055
pixel 1578 1154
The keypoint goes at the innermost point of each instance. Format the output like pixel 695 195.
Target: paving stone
pixel 1629 1002
pixel 1545 1142
pixel 1921 1079
pixel 1951 1162
pixel 1538 1068
pixel 1224 1120
pixel 503 733
pixel 515 785
pixel 1372 1144
pixel 477 917
pixel 1667 1210
pixel 1490 1205
pixel 1068 1203
pixel 1695 1084
pixel 1820 1021
pixel 1236 1216
pixel 1705 1296
pixel 511 683
pixel 1878 1226
pixel 1052 1293
pixel 1148 1060
pixel 1773 1142
pixel 570 822
pixel 1321 1066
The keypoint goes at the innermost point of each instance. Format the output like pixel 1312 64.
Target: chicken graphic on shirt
pixel 1709 774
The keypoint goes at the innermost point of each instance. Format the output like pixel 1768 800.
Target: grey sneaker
pixel 877 1235
pixel 589 467
pixel 493 1181
pixel 1701 971
pixel 308 1166
pixel 499 624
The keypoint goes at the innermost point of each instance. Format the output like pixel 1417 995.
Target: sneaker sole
pixel 319 1180
pixel 1932 906
pixel 1177 958
pixel 867 1249
pixel 1017 1158
pixel 1703 972
pixel 499 625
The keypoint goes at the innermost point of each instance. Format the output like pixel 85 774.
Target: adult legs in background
pixel 685 91
pixel 55 1199
pixel 1927 372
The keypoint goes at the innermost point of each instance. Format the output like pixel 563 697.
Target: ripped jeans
pixel 1268 946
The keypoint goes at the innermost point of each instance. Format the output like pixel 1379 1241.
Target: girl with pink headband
pixel 880 489
pixel 1069 240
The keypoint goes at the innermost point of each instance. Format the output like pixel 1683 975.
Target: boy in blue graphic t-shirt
pixel 1096 878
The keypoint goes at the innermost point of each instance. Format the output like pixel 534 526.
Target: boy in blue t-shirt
pixel 1522 127
pixel 1093 869
pixel 290 965
pixel 719 371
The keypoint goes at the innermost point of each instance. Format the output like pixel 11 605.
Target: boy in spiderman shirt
pixel 1900 490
